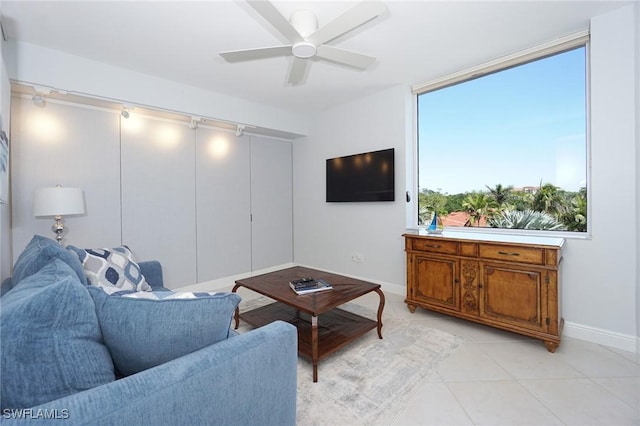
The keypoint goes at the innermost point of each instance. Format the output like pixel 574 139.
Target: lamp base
pixel 58 229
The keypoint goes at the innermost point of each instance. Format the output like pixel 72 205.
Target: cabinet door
pixel 514 295
pixel 271 203
pixel 158 197
pixel 469 277
pixel 435 282
pixel 223 204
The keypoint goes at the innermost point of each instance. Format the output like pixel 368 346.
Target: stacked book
pixel 309 285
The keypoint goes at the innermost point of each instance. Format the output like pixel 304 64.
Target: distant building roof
pixel 460 218
pixel 528 189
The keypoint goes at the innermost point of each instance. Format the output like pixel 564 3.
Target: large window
pixel 507 149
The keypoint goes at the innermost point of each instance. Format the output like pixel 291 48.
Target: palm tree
pixel 574 215
pixel 528 219
pixel 478 204
pixel 548 199
pixel 430 202
pixel 501 194
pixel 521 200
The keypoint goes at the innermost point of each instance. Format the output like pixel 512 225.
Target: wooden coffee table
pixel 338 328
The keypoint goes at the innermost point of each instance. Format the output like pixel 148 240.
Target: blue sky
pixel 517 127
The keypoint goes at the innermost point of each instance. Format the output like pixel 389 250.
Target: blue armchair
pixel 247 379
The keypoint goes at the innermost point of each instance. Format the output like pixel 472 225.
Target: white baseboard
pixel 625 342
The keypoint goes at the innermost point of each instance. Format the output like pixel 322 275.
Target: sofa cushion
pixel 39 252
pixel 50 338
pixel 143 332
pixel 114 267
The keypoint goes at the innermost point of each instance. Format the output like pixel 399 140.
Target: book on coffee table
pixel 307 286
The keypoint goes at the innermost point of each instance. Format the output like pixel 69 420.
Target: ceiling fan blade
pixel 275 18
pixel 298 70
pixel 358 15
pixel 345 57
pixel 259 53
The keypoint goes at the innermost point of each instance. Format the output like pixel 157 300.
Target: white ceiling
pixel 414 41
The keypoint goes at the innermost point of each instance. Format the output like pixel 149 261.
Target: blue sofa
pixel 242 379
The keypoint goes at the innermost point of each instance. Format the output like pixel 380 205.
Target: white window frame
pixel 550 48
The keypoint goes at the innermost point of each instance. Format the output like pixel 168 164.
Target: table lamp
pixel 57 202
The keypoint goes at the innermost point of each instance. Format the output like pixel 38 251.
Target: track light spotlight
pixel 38 100
pixel 193 124
pixel 125 110
pixel 240 130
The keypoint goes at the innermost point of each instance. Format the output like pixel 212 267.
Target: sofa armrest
pixel 249 379
pixel 152 271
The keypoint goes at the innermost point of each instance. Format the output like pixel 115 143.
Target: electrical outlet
pixel 357 257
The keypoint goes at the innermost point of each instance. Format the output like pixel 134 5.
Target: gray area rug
pixel 370 380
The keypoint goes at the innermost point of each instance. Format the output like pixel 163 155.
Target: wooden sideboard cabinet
pixel 508 282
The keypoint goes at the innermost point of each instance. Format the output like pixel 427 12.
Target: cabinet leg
pixel 551 346
pixel 412 308
pixel 314 346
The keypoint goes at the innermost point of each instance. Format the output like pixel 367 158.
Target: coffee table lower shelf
pixel 336 328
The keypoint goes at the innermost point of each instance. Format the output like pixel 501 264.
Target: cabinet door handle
pixel 432 246
pixel 509 254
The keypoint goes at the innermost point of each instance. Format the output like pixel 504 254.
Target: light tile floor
pixel 501 378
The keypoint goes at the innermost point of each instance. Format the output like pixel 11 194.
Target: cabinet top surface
pixel 498 238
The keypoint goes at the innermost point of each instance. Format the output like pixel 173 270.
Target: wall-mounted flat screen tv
pixel 361 177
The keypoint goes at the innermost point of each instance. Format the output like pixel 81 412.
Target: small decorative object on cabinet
pixel 508 282
pixel 436 225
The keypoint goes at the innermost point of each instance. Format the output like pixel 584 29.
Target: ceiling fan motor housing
pixel 304 21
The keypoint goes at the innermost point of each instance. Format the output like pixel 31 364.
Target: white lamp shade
pixel 58 201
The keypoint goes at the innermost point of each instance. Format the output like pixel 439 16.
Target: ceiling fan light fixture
pixel 303 50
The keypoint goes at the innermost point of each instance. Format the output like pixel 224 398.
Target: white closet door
pixel 158 195
pixel 223 204
pixel 271 203
pixel 74 146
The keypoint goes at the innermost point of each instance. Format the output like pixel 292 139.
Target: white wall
pixel 600 274
pixel 51 68
pixel 327 234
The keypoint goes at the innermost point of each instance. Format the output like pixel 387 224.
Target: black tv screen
pixel 361 177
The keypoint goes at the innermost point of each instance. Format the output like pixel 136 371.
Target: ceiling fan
pixel 309 41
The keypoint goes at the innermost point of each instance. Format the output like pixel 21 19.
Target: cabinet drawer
pixel 434 246
pixel 518 254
